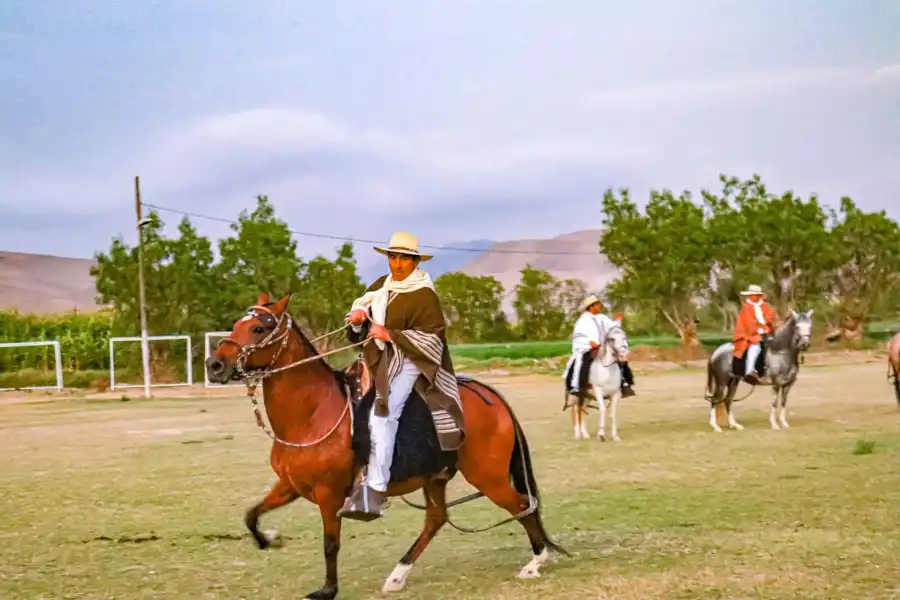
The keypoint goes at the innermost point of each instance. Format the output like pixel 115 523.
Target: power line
pixel 365 241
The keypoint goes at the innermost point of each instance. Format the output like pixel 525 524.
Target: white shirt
pixel 590 328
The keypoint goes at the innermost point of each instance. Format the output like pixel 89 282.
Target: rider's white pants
pixel 752 355
pixel 384 429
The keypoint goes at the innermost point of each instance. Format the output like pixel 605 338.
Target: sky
pixel 453 119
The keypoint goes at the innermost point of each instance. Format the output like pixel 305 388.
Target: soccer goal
pixel 150 338
pixel 207 352
pixel 57 353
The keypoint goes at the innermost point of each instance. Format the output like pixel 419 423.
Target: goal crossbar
pixel 57 352
pixel 150 338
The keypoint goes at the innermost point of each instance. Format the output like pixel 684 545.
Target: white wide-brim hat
pixel 404 243
pixel 590 300
pixel 753 290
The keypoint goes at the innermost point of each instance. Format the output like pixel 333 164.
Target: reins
pixel 252 378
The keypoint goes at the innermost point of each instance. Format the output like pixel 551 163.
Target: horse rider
pixel 407 324
pixel 586 339
pixel 755 323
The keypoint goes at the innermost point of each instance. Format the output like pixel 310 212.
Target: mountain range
pixel 40 284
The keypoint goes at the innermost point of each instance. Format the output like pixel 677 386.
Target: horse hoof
pixel 396 581
pixel 601 437
pixel 273 538
pixel 717 429
pixel 323 594
pixel 617 438
pixel 533 569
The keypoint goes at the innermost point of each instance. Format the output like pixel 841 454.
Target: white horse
pixel 606 379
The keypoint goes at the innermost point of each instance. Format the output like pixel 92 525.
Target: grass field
pixel 144 499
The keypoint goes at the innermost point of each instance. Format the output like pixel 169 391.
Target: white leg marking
pixel 533 568
pixel 274 538
pixel 712 420
pixel 783 419
pixel 732 422
pixel 772 418
pixel 396 581
pixel 601 429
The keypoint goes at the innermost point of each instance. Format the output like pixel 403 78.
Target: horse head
pixel 256 341
pixel 802 329
pixel 617 342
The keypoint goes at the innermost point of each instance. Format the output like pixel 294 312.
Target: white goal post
pixel 187 361
pixel 57 354
pixel 206 354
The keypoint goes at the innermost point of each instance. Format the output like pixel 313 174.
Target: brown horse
pixel 321 442
pixel 893 349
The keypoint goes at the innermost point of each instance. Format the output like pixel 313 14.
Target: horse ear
pixel 282 304
pixel 263 299
pixel 811 311
pixel 793 313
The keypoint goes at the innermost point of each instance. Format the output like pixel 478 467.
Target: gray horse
pixel 782 364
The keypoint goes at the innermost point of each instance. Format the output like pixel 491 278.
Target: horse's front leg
pixel 330 503
pixel 775 398
pixel 783 416
pixel 601 404
pixel 280 495
pixel 613 409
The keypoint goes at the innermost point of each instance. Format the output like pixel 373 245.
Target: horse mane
pixel 310 350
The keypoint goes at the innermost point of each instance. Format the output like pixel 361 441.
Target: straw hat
pixel 753 290
pixel 592 299
pixel 404 243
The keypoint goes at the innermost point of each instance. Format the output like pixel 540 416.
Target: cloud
pixel 757 87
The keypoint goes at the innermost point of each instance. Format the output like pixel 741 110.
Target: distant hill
pixel 505 260
pixel 444 261
pixel 40 284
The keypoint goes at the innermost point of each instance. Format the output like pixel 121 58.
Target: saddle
pixel 738 365
pixel 417 451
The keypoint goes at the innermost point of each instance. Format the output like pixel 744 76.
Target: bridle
pixel 266 317
pixel 280 335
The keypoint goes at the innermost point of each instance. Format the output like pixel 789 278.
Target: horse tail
pixel 521 471
pixel 710 380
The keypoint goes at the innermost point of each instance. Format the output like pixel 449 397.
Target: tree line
pixel 680 258
pixel 682 264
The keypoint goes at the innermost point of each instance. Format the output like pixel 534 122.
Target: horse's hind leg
pixel 435 517
pixel 729 401
pixel 714 403
pixel 583 413
pixel 280 495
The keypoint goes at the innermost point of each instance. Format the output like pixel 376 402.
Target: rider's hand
pixel 619 317
pixel 357 317
pixel 379 333
pixel 594 345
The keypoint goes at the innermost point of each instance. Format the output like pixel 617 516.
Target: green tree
pixel 664 255
pixel 472 306
pixel 539 313
pixel 261 256
pixel 327 289
pixel 178 286
pixel 868 247
pixel 779 242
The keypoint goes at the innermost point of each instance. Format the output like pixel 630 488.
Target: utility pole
pixel 145 346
